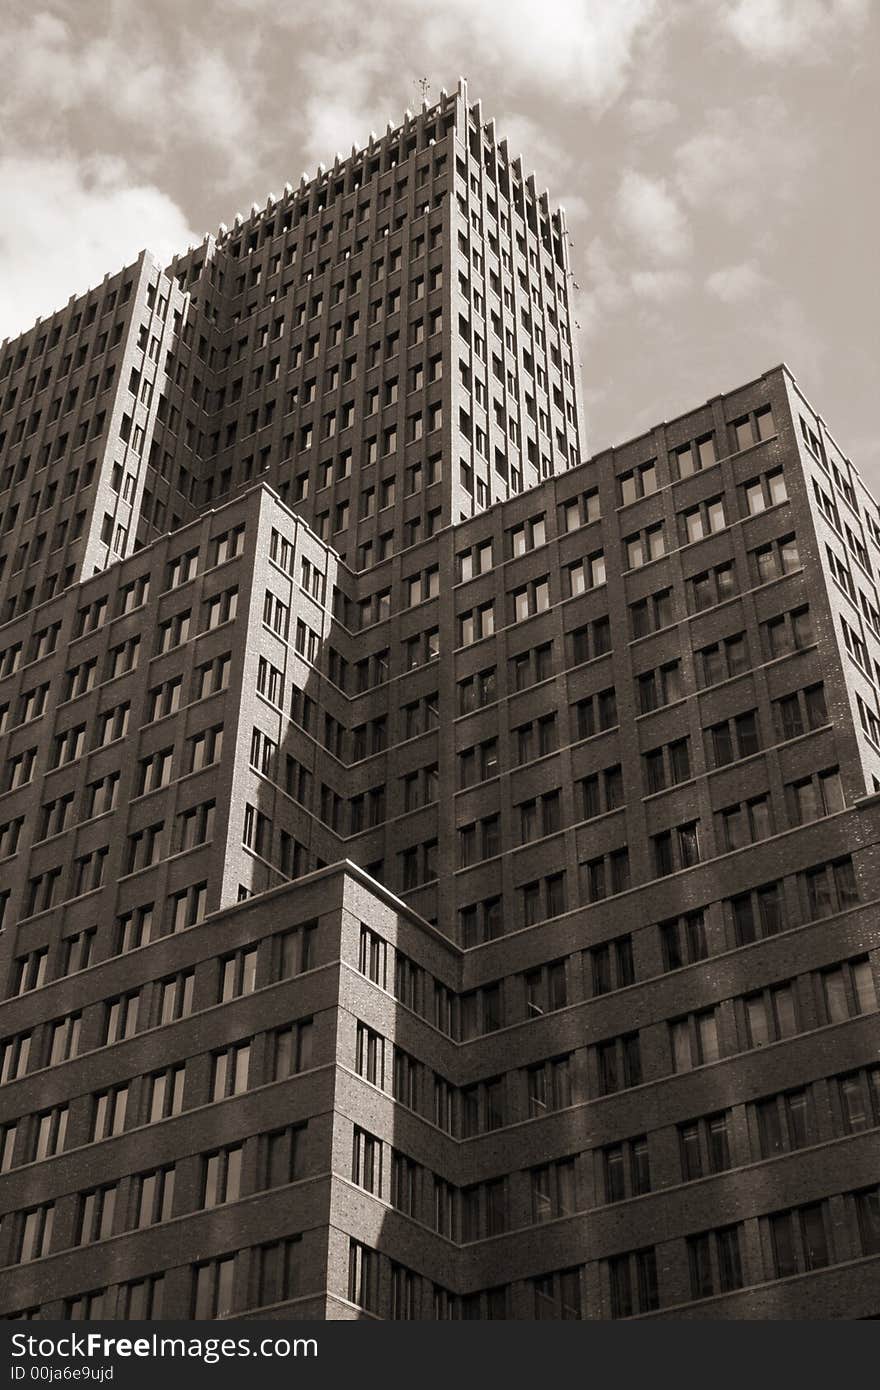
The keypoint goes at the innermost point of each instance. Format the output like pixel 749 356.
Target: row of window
pixel 672 850
pixel 148 1198
pixel 648 615
pixel 793 1241
pixel 283 1052
pixel 755 1019
pixel 112 724
pixel 695 523
pixel 273 1277
pixel 776 1124
pixel 781 634
pixel 735 738
pixel 677 848
pixel 49 336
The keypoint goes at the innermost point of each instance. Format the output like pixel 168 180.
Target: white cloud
pixel 212 97
pixel 650 215
pixel 34 61
pixel 605 283
pixel 341 96
pixel 70 223
pixel 577 52
pixel 580 50
pixel 49 70
pixel 806 29
pixel 577 209
pixel 578 55
pixel 659 285
pixel 743 160
pixel 734 283
pixel 608 288
pixel 602 291
pixel 648 115
pixel 792 337
pixel 333 125
pixel 543 154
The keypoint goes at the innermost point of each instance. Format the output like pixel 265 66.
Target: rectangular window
pixel 363 1276
pixel 715 1262
pixel 683 940
pixel 278 1267
pixel 35 1237
pixel 633 1283
pixel 230 1071
pixel 292 1049
pixel 366 1161
pixel 221 1176
pixel 96 1216
pixel 155 1197
pixel 213 1288
pixel 694 1040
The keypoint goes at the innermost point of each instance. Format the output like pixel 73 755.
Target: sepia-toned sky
pixel 717 160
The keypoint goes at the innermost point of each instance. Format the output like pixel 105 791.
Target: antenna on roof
pixel 424 87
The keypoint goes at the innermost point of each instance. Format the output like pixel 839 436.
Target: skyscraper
pixel 440 875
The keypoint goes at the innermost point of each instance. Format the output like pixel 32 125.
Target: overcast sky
pixel 717 160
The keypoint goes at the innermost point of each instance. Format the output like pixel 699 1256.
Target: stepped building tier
pixel 439 873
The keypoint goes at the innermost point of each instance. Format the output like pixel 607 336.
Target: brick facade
pixel 439 876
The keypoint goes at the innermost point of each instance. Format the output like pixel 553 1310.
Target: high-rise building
pixel 439 877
